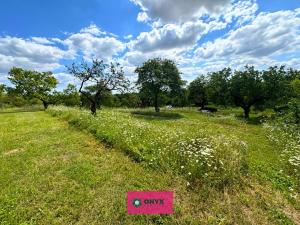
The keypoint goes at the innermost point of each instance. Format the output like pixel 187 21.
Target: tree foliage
pixel 2 89
pixel 97 79
pixel 218 88
pixel 247 88
pixel 68 97
pixel 198 92
pixel 34 84
pixel 159 83
pixel 276 86
pixel 158 76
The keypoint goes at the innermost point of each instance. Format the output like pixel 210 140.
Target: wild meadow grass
pixel 28 108
pixel 52 173
pixel 184 148
pixel 287 137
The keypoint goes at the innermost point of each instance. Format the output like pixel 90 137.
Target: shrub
pixel 290 113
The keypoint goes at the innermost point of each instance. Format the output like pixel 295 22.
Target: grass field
pixel 76 169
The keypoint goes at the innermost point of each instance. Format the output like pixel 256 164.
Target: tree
pixel 247 88
pixel 68 97
pixel 294 76
pixel 33 84
pixel 145 97
pixel 295 84
pixel 71 96
pixel 130 100
pixel 158 76
pixel 294 103
pixel 276 86
pixel 198 92
pixel 218 87
pixel 179 100
pixel 2 89
pixel 97 79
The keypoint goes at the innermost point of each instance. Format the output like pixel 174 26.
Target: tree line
pixel 159 83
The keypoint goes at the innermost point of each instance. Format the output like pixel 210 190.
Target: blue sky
pixel 201 36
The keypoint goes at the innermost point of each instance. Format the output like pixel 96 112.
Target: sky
pixel 201 36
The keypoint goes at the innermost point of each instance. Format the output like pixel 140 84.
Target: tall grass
pixel 287 138
pixel 217 160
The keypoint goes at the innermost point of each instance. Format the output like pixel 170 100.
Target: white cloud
pixel 242 11
pixel 170 36
pixel 179 10
pixel 42 54
pixel 92 46
pixel 42 40
pixel 28 54
pixel 92 29
pixel 269 34
pixel 143 17
pixel 91 43
pixel 176 29
pixel 129 36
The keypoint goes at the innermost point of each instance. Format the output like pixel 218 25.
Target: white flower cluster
pixel 182 146
pixel 287 138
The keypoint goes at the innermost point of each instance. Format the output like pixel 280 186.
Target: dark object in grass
pixel 209 109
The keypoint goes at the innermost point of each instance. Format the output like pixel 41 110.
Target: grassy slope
pixel 53 174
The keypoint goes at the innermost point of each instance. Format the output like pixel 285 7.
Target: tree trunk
pixel 156 103
pixel 202 105
pixel 94 108
pixel 46 104
pixel 246 112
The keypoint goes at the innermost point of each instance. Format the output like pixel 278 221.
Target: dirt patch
pixel 292 213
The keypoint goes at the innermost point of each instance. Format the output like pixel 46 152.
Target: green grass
pixel 141 137
pixel 154 116
pixel 53 173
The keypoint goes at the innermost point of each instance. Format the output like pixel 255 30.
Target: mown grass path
pixel 51 173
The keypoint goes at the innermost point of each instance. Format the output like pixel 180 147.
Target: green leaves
pixel 158 75
pixel 198 92
pixel 98 79
pixel 33 84
pixel 247 88
pixel 218 87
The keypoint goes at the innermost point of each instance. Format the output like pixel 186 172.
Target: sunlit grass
pixel 183 146
pixel 51 173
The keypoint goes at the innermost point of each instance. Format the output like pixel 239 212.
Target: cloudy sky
pixel 200 35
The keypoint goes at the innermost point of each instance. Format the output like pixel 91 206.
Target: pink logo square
pixel 150 202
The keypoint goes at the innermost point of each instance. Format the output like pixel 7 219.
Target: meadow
pixel 65 166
